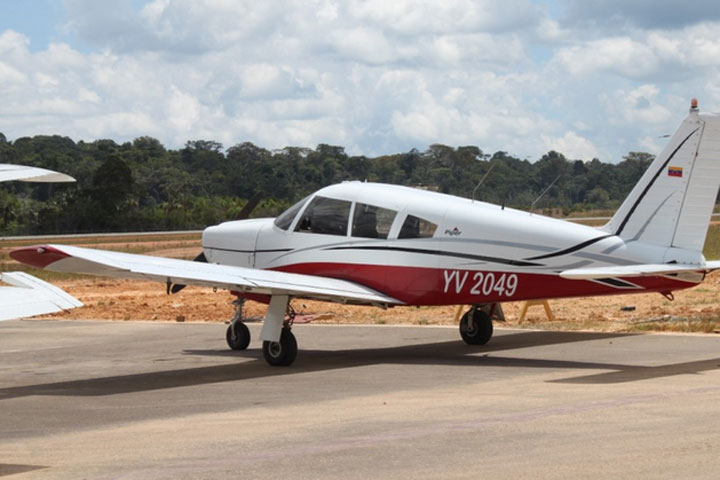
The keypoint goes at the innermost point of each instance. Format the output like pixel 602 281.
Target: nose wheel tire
pixel 282 353
pixel 238 336
pixel 476 327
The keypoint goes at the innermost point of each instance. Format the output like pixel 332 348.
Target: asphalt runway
pixel 114 400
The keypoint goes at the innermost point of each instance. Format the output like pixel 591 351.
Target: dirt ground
pixel 696 309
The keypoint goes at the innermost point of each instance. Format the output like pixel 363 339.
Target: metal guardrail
pixel 101 235
pixel 194 232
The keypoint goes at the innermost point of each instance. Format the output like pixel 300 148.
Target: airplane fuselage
pixel 426 248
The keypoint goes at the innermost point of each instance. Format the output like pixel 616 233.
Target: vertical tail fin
pixel 672 203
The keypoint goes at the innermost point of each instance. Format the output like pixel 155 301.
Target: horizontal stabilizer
pixel 65 258
pixel 636 270
pixel 29 296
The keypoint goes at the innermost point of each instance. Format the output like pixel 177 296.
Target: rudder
pixel 672 203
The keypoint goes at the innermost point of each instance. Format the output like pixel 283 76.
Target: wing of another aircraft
pixel 65 258
pixel 28 296
pixel 636 270
pixel 31 174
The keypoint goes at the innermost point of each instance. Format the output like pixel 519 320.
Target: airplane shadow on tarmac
pixel 312 360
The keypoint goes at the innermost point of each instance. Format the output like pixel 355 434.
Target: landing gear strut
pixel 238 334
pixel 476 327
pixel 283 352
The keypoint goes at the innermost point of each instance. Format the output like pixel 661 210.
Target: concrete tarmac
pixel 111 400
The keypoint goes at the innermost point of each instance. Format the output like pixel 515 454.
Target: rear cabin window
pixel 415 227
pixel 370 221
pixel 327 216
pixel 285 219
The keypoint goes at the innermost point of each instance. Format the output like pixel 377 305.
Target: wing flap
pixel 29 296
pixel 636 270
pixel 65 258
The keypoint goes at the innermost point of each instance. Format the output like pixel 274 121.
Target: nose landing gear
pixel 238 334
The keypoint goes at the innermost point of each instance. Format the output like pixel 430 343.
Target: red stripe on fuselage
pixel 437 286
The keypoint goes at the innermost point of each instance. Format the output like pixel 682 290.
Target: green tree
pixel 110 194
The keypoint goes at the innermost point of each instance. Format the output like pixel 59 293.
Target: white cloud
pixel 413 17
pixel 668 14
pixel 364 44
pixel 85 95
pixel 639 105
pixel 46 83
pixel 375 76
pixel 10 76
pixel 651 145
pixel 572 145
pixel 183 110
pixel 126 124
pixel 13 44
pixel 643 54
pixel 621 55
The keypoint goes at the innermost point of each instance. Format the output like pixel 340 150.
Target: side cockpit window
pixel 327 216
pixel 370 221
pixel 415 227
pixel 285 219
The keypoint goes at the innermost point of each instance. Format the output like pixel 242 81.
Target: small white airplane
pixel 27 296
pixel 386 245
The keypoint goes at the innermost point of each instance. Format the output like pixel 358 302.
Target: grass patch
pixel 678 324
pixel 47 275
pixel 712 243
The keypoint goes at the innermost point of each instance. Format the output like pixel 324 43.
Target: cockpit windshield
pixel 285 219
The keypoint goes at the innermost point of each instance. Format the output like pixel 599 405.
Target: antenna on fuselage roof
pixel 543 193
pixel 482 180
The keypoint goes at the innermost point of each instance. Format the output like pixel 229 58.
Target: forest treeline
pixel 142 186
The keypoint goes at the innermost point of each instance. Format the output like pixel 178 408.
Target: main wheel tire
pixel 476 327
pixel 282 353
pixel 238 336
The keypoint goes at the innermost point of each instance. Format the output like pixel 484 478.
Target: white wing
pixel 636 270
pixel 29 296
pixel 64 258
pixel 31 174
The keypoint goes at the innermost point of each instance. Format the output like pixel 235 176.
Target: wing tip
pixel 38 256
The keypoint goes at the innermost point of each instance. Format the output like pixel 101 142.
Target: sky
pixel 587 79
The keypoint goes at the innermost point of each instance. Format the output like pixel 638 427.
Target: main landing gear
pixel 280 353
pixel 476 327
pixel 283 352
